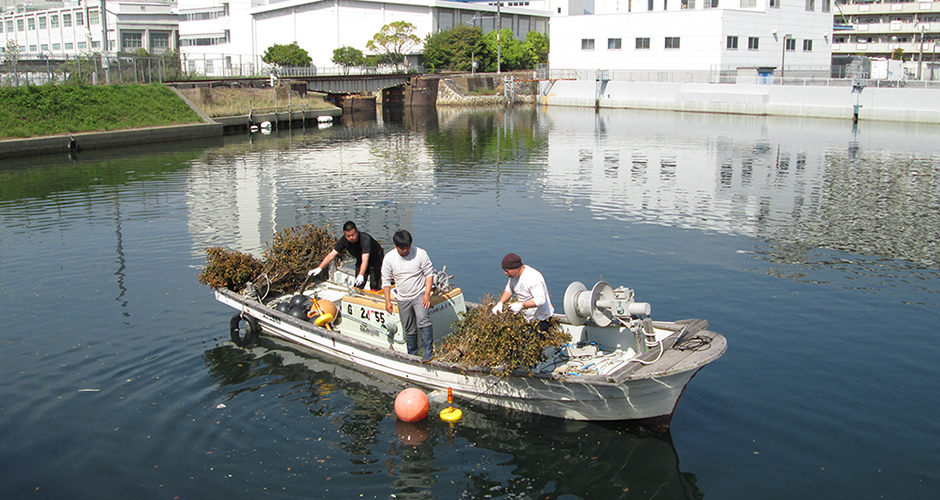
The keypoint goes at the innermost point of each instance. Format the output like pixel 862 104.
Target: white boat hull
pixel 645 393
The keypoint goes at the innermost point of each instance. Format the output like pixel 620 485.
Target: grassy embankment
pixel 222 101
pixel 35 111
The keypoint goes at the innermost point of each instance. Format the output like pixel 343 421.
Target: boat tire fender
pixel 250 335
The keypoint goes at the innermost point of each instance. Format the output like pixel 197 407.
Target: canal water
pixel 810 245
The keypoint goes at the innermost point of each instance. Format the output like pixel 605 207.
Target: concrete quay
pixel 838 102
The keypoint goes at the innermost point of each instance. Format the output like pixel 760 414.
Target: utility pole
pixel 499 27
pixel 104 43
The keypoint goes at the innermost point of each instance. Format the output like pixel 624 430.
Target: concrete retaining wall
pixel 885 104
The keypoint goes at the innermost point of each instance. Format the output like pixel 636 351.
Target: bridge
pixel 351 84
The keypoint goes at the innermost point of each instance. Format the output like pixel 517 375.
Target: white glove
pixel 314 271
pixel 360 280
pixel 498 308
pixel 515 307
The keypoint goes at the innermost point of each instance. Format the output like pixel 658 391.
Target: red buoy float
pixel 412 405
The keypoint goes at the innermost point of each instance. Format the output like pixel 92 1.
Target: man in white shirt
pixel 410 268
pixel 529 286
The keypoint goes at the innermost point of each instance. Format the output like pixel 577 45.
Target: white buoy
pixel 266 125
pixel 324 118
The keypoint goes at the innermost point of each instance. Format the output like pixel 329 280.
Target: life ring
pixel 250 335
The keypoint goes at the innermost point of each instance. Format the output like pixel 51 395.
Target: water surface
pixel 811 246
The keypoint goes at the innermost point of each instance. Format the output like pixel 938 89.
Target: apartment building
pixel 905 29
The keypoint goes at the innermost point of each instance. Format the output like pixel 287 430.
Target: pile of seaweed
pixel 501 342
pixel 286 260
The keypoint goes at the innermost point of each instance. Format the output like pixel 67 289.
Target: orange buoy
pixel 412 405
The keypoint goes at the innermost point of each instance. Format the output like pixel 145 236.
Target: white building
pixel 707 37
pixel 76 29
pixel 217 37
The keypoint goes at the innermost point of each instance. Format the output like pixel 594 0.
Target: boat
pixel 620 365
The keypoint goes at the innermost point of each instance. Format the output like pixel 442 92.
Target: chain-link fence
pixel 92 69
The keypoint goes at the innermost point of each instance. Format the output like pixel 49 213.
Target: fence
pixel 92 69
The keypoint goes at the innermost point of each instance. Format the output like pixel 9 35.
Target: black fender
pixel 250 333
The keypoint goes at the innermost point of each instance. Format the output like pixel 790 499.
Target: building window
pixel 66 20
pixel 613 44
pixel 210 67
pixel 19 25
pixel 57 46
pixel 710 4
pixel 827 5
pixel 130 41
pixel 93 18
pixel 31 23
pixel 79 19
pixel 54 21
pixel 687 4
pixel 748 4
pixel 43 46
pixel 790 44
pixel 83 45
pixel 753 43
pixel 94 44
pixel 587 44
pixel 732 43
pixel 643 43
pixel 672 42
pixel 10 26
pixel 810 5
pixel 32 48
pixel 649 4
pixel 68 45
pixel 807 45
pixel 775 4
pixel 42 22
pixel 159 41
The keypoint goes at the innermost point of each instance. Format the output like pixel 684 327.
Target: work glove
pixel 360 280
pixel 498 308
pixel 515 307
pixel 313 272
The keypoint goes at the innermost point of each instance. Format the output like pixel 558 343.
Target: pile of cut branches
pixel 291 253
pixel 501 342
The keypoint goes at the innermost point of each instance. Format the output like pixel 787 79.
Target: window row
pixel 31 23
pixel 753 43
pixel 670 42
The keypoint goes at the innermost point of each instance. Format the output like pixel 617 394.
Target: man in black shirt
pixel 365 249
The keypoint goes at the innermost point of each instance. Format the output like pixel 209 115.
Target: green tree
pixel 514 54
pixel 454 49
pixel 286 55
pixel 538 44
pixel 395 39
pixel 897 54
pixel 348 57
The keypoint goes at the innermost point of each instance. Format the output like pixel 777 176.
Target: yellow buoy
pixel 450 414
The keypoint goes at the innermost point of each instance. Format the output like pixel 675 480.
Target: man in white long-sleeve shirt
pixel 410 268
pixel 529 286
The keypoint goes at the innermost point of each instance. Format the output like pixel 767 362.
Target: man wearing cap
pixel 530 289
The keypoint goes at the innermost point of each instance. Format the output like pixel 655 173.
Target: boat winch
pixel 602 304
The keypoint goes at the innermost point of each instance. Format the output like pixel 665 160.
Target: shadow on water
pixel 534 455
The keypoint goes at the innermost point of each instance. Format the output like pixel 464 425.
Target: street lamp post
pixel 783 56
